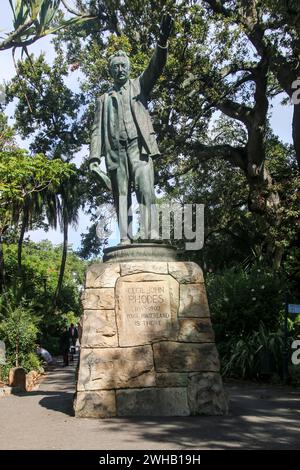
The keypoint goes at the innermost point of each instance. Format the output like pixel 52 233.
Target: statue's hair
pixel 117 54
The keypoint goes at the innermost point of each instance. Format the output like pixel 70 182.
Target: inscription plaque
pixel 144 311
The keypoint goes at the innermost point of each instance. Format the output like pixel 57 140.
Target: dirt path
pixel 260 418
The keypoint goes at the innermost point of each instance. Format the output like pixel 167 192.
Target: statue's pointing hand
pixel 166 26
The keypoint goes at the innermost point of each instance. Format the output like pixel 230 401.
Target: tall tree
pixel 50 112
pixel 21 176
pixel 273 28
pixel 212 72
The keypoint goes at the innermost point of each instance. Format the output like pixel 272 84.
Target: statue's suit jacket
pixel 105 131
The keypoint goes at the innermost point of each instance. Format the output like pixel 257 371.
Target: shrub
pixel 247 307
pixel 240 299
pixel 256 355
pixel 19 332
pixel 31 362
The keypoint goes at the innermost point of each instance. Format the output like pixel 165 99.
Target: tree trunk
pixel 24 226
pixel 64 256
pixel 296 131
pixel 17 350
pixel 263 198
pixel 278 257
pixel 2 267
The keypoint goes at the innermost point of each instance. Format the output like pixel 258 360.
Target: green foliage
pixel 31 362
pixel 248 307
pixel 19 332
pixel 255 355
pixel 41 264
pixel 47 108
pixel 27 313
pixel 22 176
pixel 241 298
pixel 34 19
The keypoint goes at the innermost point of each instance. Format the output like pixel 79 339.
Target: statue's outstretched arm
pixel 158 60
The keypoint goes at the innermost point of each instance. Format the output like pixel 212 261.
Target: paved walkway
pixel 260 418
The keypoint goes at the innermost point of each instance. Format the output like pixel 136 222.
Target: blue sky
pixel 281 117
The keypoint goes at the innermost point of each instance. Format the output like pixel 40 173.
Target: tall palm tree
pixel 69 203
pixel 30 212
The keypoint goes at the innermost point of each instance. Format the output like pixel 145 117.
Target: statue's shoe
pixel 125 241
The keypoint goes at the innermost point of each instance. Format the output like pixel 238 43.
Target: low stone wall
pixel 147 346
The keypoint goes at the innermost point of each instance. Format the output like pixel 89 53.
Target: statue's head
pixel 119 67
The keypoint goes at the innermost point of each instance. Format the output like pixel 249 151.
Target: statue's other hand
pixel 166 26
pixel 94 165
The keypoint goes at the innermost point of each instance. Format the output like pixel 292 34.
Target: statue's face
pixel 120 69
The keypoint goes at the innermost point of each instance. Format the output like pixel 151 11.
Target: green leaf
pixel 65 24
pixel 20 12
pixel 47 13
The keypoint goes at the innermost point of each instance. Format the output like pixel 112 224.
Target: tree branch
pixel 70 9
pixel 236 156
pixel 13 37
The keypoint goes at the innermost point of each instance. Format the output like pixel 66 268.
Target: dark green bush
pixel 247 307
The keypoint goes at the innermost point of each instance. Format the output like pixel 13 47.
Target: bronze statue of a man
pixel 124 135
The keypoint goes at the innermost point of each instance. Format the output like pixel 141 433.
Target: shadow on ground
pixel 259 418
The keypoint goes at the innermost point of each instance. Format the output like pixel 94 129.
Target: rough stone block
pixel 206 394
pixel 198 330
pixel 152 402
pixel 193 301
pixel 158 267
pixel 31 380
pixel 17 378
pixel 186 272
pixel 98 299
pixel 172 379
pixel 99 329
pixel 185 357
pixel 96 404
pixel 102 275
pixel 108 368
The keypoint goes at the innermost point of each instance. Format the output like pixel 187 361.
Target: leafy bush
pixel 31 362
pixel 241 298
pixel 19 332
pixel 254 356
pixel 247 306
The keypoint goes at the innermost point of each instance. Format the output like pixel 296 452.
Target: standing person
pixel 73 335
pixel 123 134
pixel 65 346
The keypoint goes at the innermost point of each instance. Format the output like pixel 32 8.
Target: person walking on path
pixel 73 333
pixel 65 346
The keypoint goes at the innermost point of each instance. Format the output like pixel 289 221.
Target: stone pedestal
pixel 147 345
